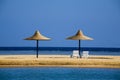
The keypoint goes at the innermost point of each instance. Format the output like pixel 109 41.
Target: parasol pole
pixel 37 49
pixel 79 50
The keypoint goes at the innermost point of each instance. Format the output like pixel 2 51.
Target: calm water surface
pixel 59 74
pixel 28 52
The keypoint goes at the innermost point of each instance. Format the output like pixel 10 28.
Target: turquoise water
pixel 59 74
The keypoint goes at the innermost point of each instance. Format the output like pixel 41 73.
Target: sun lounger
pixel 85 54
pixel 75 54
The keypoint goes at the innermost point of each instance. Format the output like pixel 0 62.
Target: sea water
pixel 47 52
pixel 57 50
pixel 48 73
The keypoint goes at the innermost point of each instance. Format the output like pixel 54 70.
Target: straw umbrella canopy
pixel 79 36
pixel 37 36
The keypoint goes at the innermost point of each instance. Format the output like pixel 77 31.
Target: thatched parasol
pixel 79 36
pixel 37 36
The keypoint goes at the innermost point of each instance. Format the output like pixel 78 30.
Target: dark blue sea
pixel 59 74
pixel 57 50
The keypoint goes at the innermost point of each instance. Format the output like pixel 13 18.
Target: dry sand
pixel 59 61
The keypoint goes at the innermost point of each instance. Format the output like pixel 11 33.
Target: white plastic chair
pixel 85 54
pixel 75 54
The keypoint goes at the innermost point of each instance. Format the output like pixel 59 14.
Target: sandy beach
pixel 93 61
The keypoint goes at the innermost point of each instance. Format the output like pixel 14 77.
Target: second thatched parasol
pixel 79 36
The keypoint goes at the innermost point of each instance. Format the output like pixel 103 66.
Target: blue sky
pixel 58 19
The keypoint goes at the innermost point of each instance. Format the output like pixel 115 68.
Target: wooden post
pixel 37 49
pixel 79 49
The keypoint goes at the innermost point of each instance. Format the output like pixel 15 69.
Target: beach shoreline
pixel 58 66
pixel 94 61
